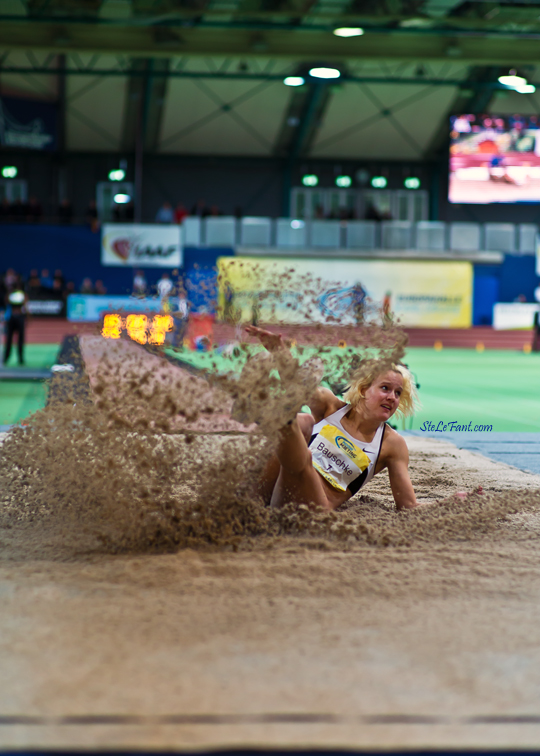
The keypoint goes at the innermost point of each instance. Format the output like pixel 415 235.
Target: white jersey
pixel 344 461
pixel 164 287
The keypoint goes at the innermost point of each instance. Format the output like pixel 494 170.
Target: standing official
pixel 15 322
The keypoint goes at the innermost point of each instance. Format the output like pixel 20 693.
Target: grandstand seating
pixel 429 236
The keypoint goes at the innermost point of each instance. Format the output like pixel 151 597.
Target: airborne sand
pixel 129 588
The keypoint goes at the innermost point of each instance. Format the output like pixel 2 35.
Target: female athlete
pixel 327 456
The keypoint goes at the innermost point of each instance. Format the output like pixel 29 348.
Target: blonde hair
pixel 368 371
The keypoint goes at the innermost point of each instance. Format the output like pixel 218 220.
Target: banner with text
pixel 28 124
pixel 90 308
pixel 298 291
pixel 145 245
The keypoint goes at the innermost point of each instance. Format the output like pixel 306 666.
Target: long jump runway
pixel 294 640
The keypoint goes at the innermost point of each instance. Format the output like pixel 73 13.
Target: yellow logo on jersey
pixel 336 437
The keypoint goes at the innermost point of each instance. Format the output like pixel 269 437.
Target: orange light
pixel 136 326
pixel 112 326
pixel 160 325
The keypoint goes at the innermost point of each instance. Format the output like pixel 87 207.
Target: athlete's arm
pixel 270 340
pixel 397 462
pixel 324 403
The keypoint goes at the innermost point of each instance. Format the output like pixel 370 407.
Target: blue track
pixel 521 450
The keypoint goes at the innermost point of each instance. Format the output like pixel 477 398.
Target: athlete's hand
pixel 269 340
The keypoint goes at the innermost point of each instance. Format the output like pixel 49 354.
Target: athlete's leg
pixel 298 480
pixel 20 341
pixel 270 473
pixel 9 339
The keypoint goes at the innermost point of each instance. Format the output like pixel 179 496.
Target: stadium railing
pixel 297 233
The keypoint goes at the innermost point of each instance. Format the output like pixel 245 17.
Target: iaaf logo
pixel 125 247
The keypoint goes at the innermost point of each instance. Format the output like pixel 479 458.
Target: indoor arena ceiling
pixel 473 30
pixel 210 72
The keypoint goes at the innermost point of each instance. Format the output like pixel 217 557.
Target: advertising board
pixel 91 308
pixel 45 307
pixel 145 245
pixel 28 124
pixel 428 294
pixel 512 315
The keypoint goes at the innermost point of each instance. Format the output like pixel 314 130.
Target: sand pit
pixel 361 629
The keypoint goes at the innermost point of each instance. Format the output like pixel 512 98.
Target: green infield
pixel 469 388
pixel 497 388
pixel 19 398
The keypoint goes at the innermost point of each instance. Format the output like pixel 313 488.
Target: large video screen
pixel 494 159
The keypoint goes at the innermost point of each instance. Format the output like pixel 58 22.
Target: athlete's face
pixel 382 397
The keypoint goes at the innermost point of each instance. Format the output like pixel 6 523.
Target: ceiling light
pixel 412 182
pixel 349 31
pixel 293 81
pixel 122 199
pixel 325 73
pixel 379 182
pixel 310 179
pixel 512 80
pixel 526 89
pixel 117 175
pixel 9 171
pixel 343 181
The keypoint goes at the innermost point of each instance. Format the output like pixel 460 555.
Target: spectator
pixel 536 332
pixel 34 210
pixel 100 287
pixel 215 211
pixel 180 213
pixel 18 210
pixel 358 297
pixel 238 214
pixel 165 214
pixel 70 289
pixel 180 317
pixel 59 275
pixel 86 286
pixel 164 286
pixel 10 279
pixel 123 213
pixel 5 210
pixel 33 286
pixel 139 284
pixel 65 212
pixel 46 280
pixel 200 209
pixel 372 213
pixel 91 215
pixel 129 212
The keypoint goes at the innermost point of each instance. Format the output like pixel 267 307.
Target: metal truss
pixel 176 73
